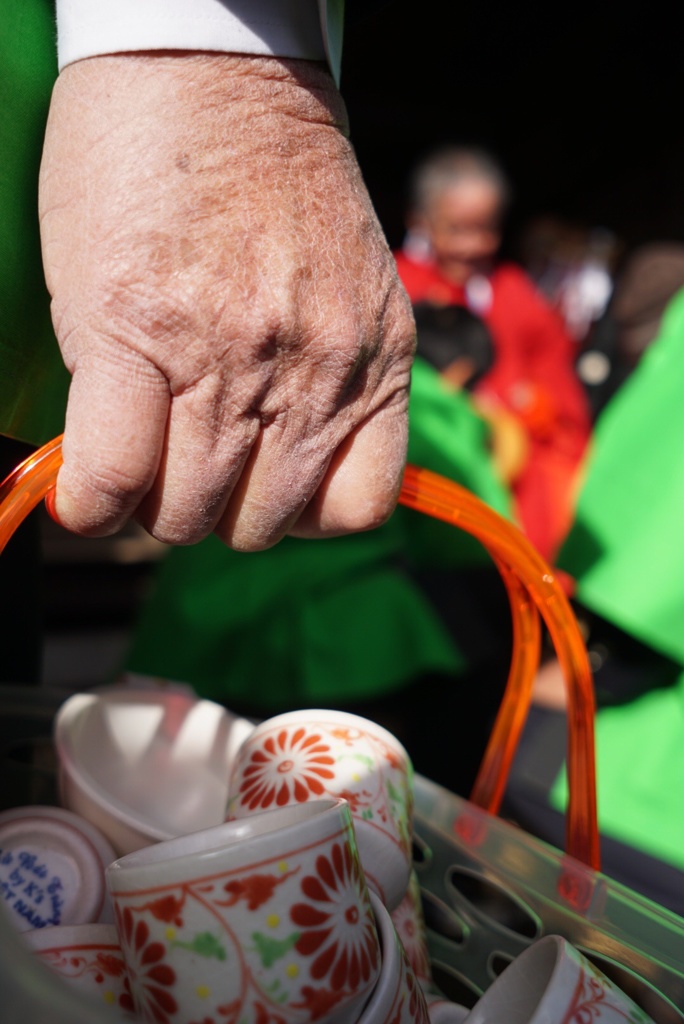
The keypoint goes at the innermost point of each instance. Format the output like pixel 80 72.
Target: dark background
pixel 582 104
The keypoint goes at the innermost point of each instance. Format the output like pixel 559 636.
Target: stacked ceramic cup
pixel 297 758
pixel 286 913
pixel 282 913
pixel 300 907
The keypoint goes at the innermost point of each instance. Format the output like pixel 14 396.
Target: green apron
pixel 327 620
pixel 626 552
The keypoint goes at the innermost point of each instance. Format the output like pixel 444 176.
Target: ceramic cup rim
pixel 385 929
pixel 92 833
pixel 192 854
pixel 324 718
pixel 72 936
pixel 383 994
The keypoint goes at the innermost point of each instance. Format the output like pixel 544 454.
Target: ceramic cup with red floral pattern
pixel 397 997
pixel 88 957
pixel 303 755
pixel 266 920
pixel 409 921
pixel 551 981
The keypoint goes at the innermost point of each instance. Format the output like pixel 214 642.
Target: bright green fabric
pixel 640 774
pixel 319 620
pixel 626 552
pixel 33 380
pixel 626 549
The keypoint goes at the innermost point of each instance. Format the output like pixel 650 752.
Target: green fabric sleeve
pixel 33 380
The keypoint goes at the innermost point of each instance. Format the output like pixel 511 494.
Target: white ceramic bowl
pixel 145 765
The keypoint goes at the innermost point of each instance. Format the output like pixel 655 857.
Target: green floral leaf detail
pixel 365 760
pixel 367 814
pixel 275 992
pixel 392 792
pixel 270 949
pixel 204 944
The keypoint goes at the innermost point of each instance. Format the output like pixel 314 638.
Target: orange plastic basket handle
pixel 527 576
pixel 532 587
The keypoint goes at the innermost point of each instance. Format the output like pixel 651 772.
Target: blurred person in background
pixel 457 204
pixel 573 266
pixel 649 277
pixel 460 346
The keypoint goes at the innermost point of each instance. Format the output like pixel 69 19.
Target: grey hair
pixel 451 166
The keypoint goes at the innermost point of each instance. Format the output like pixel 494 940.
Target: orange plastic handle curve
pixel 528 578
pixel 532 590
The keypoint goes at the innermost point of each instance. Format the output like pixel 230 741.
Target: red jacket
pixel 534 378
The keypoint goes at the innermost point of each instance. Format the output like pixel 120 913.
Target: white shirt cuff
pixel 280 28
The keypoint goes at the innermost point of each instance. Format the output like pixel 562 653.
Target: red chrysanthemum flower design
pixel 148 974
pixel 417 1006
pixel 289 767
pixel 126 999
pixel 407 920
pixel 318 1001
pixel 338 930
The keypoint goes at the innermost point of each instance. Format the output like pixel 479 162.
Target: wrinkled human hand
pixel 223 296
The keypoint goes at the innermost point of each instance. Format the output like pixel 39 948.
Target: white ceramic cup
pixel 267 918
pixel 50 873
pixel 442 1011
pixel 88 958
pixel 552 983
pixel 409 921
pixel 397 997
pixel 100 843
pixel 301 756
